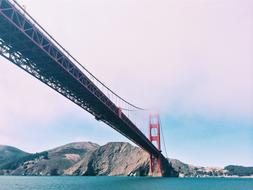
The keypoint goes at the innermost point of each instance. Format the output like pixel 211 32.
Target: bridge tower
pixel 154 136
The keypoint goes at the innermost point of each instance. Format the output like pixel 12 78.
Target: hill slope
pixel 55 161
pixel 9 154
pixel 186 170
pixel 90 159
pixel 85 158
pixel 113 159
pixel 239 170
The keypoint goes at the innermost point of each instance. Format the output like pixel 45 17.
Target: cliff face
pixel 112 159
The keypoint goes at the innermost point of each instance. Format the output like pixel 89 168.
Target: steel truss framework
pixel 23 43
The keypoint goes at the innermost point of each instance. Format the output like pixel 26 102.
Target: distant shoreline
pixel 217 177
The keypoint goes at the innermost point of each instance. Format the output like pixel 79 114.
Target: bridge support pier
pixel 155 166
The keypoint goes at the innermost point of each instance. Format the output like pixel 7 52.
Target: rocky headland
pixel 90 159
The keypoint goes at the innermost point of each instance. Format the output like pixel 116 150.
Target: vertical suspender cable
pixel 165 149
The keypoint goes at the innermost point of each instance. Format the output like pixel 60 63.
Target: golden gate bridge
pixel 29 46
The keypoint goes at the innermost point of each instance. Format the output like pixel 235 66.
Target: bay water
pixel 122 183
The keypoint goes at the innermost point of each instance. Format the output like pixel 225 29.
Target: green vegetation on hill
pixel 239 170
pixel 10 154
pixel 12 165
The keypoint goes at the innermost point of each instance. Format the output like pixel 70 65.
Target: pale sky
pixel 191 60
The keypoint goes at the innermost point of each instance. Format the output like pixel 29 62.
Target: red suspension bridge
pixel 26 44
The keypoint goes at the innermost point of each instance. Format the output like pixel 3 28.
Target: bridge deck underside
pixel 20 47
